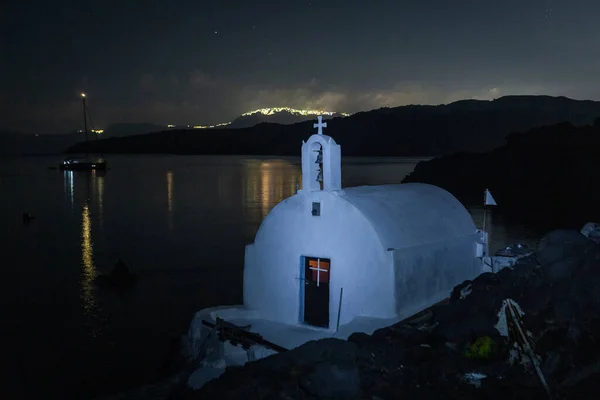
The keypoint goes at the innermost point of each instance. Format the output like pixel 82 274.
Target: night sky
pixel 205 62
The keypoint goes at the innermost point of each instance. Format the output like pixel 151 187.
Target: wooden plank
pixel 241 335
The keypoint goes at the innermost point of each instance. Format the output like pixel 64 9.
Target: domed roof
pixel 411 214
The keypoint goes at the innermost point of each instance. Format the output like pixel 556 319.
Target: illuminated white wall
pixel 358 262
pixel 426 274
pixel 393 249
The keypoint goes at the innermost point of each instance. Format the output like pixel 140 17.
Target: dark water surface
pixel 180 222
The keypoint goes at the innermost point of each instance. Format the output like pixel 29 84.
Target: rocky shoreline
pixel 468 347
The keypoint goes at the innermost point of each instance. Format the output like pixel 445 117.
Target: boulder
pixel 591 230
pixel 333 381
pixel 561 244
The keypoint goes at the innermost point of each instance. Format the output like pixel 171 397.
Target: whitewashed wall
pixel 359 264
pixel 427 274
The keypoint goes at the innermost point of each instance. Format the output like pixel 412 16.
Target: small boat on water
pixel 83 164
pixel 86 163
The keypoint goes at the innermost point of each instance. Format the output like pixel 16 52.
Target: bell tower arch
pixel 321 161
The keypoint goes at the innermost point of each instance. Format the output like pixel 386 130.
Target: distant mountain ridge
pixel 414 130
pixel 275 115
pixel 122 129
pixel 16 143
pixel 279 115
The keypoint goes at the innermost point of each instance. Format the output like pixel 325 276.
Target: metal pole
pixel 85 126
pixel 339 310
pixel 485 232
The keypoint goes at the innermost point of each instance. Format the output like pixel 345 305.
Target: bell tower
pixel 321 162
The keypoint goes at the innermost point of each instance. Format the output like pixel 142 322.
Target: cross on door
pixel 319 270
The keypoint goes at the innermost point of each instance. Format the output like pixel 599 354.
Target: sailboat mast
pixel 85 123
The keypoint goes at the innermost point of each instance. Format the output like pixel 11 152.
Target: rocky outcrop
pixel 546 176
pixel 469 347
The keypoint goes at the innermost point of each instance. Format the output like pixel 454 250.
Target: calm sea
pixel 180 222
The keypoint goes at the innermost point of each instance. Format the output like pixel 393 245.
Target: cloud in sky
pixel 211 99
pixel 351 100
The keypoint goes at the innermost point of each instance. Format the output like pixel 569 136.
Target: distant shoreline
pixel 391 159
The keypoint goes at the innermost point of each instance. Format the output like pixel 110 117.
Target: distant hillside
pixel 470 125
pixel 129 129
pixel 275 115
pixel 284 116
pixel 547 176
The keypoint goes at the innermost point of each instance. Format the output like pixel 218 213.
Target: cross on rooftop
pixel 320 125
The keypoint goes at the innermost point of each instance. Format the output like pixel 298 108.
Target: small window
pixel 316 209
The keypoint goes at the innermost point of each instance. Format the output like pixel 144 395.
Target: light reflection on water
pixel 95 322
pixel 98 188
pixel 84 191
pixel 170 199
pixel 265 184
pixel 69 188
pixel 89 272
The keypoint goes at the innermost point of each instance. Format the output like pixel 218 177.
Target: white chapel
pixel 384 252
pixel 330 261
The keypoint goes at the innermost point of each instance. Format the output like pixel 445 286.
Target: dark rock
pixel 359 338
pixel 120 277
pixel 333 381
pixel 551 363
pixel 120 273
pixel 432 355
pixel 561 269
pixel 545 176
pixel 460 291
pixel 27 217
pixel 561 244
